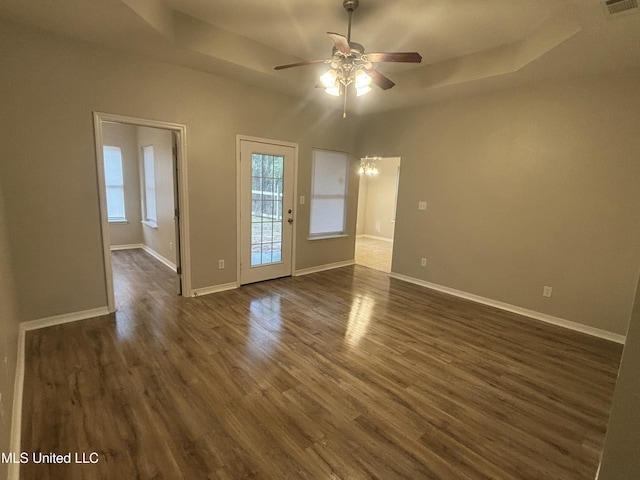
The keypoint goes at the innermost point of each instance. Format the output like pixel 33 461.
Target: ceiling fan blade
pixel 406 57
pixel 341 43
pixel 380 80
pixel 300 64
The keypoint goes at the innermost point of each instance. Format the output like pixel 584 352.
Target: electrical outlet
pixel 546 291
pixel 220 264
pixel 423 262
pixel 171 246
pixel 301 199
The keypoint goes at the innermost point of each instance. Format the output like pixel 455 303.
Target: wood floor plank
pixel 343 374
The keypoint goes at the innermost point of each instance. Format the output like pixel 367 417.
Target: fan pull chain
pixel 344 104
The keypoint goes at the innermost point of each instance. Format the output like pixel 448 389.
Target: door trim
pixel 183 200
pixel 240 138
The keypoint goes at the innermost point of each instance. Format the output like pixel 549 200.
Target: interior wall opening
pixel 139 172
pixel 377 200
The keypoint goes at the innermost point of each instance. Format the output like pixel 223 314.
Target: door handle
pixel 290 220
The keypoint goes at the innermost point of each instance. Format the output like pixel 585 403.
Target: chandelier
pixel 367 167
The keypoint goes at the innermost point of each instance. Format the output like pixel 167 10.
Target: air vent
pixel 617 7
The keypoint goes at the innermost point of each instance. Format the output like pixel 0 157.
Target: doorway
pixel 142 184
pixel 266 190
pixel 377 200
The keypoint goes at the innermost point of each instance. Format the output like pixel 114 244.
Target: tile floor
pixel 374 253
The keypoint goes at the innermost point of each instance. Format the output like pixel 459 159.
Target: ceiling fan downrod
pixel 350 6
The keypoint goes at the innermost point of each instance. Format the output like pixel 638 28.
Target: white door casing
pixel 266 216
pixel 182 201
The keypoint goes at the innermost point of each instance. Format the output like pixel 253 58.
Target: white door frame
pixel 240 138
pixel 183 200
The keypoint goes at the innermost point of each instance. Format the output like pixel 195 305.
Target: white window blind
pixel 329 193
pixel 114 181
pixel 148 168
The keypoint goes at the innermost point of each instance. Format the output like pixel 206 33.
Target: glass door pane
pixel 267 174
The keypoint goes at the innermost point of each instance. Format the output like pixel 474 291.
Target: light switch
pixel 422 205
pixel 301 199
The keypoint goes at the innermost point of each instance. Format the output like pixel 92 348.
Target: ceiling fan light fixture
pixel 335 90
pixel 350 65
pixel 362 80
pixel 362 90
pixel 329 79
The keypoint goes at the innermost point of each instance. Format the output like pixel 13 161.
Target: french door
pixel 266 210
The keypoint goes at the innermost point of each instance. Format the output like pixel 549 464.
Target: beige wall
pixel 528 187
pixel 525 188
pixel 161 238
pixel 125 137
pixel 131 139
pixel 621 456
pixel 376 203
pixel 49 88
pixel 311 253
pixel 8 338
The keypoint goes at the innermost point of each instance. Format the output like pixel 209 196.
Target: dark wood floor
pixel 344 374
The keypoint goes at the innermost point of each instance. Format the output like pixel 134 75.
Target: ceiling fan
pixel 351 65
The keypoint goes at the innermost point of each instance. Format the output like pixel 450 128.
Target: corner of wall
pixel 10 352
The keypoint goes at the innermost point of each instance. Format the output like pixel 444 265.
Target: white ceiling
pixel 467 45
pixel 440 29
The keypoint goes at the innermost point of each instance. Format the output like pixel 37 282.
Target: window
pixel 329 193
pixel 114 182
pixel 149 190
pixel 267 177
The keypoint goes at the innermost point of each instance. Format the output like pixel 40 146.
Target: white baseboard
pixel 214 289
pixel 157 256
pixel 16 410
pixel 65 318
pixel 374 237
pixel 322 268
pixel 147 249
pixel 18 390
pixel 129 246
pixel 561 322
pixel 305 271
